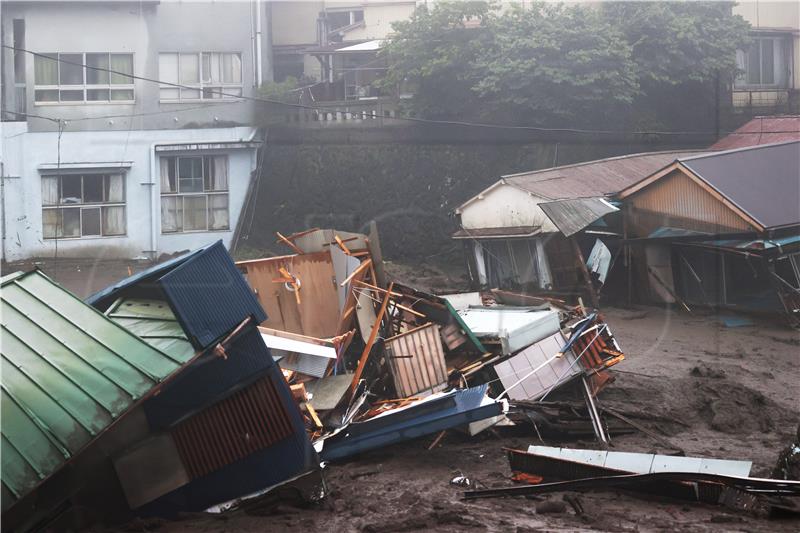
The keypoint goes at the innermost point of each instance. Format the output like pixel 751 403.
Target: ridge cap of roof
pixel 715 153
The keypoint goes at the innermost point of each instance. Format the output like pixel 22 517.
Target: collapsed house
pixel 533 231
pixel 719 230
pixel 162 399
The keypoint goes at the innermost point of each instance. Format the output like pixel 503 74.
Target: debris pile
pixel 373 362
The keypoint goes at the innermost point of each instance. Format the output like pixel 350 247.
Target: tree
pixel 552 64
pixel 557 65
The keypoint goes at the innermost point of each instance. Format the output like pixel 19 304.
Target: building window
pixel 763 64
pixel 88 205
pixel 194 193
pixel 339 19
pixel 63 78
pixel 207 75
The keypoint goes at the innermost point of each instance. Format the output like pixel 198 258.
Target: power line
pixel 402 118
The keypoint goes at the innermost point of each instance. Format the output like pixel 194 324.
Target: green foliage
pixel 553 64
pixel 287 91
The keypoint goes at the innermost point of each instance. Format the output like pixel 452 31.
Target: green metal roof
pixel 67 373
pixel 154 322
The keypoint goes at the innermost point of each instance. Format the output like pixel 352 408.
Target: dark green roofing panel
pixel 67 373
pixel 154 322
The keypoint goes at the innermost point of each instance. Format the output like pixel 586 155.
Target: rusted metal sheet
pixel 417 361
pixel 238 426
pixel 762 130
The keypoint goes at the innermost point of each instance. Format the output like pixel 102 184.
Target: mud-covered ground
pixel 712 391
pixel 728 393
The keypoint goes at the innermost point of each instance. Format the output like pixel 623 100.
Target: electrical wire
pixel 401 118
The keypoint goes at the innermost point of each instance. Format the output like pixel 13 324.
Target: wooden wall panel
pixel 318 312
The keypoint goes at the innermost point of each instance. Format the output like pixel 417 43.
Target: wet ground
pixel 710 390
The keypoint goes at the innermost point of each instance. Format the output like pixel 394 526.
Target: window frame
pixel 59 207
pixel 200 85
pixel 779 46
pixel 180 197
pixel 85 87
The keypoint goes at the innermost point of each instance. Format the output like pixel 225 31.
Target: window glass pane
pixel 71 189
pixel 49 190
pixel 92 188
pixel 753 68
pixel 70 222
pixel 170 213
pixel 49 223
pixel 190 70
pixel 122 94
pixel 767 61
pixel 114 188
pixel 70 69
pixel 194 213
pixel 122 63
pixel 50 95
pixel 46 69
pixel 218 211
pixel 190 174
pixel 114 220
pixel 232 68
pixel 207 73
pixel 170 93
pixel 97 95
pixel 90 221
pixel 96 77
pixel 212 92
pixel 71 96
pixel 358 16
pixel 168 68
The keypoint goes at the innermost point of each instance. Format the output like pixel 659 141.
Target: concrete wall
pixel 143 29
pixel 23 153
pixel 295 22
pixel 505 206
pixel 378 20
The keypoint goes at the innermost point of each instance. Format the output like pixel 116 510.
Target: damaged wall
pixel 409 188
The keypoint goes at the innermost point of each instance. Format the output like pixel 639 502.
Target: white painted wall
pixel 505 206
pixel 22 153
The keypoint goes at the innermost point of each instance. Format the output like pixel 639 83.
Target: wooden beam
pixel 362 362
pixel 585 272
pixel 361 268
pixel 289 243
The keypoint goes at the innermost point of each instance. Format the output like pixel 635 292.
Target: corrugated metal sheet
pixel 153 322
pixel 763 181
pixel 677 201
pixel 517 373
pixel 762 130
pixel 594 178
pixel 211 378
pixel 497 233
pixel 571 216
pixel 207 293
pixel 67 373
pixel 416 359
pixel 238 426
pixel 428 416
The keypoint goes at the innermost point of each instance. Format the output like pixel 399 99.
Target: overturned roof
pixel 206 292
pixel 762 130
pixel 68 373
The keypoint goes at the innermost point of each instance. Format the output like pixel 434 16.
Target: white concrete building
pixel 156 150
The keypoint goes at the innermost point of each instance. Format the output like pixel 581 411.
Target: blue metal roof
pixel 454 409
pixel 207 293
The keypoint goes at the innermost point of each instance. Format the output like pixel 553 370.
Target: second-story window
pixel 764 64
pixel 204 76
pixel 83 77
pixel 194 193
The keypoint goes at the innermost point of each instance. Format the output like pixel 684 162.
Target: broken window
pixel 83 205
pixel 787 268
pixel 194 193
pixel 510 263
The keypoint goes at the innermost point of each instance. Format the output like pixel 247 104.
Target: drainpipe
pixel 259 78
